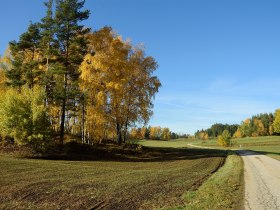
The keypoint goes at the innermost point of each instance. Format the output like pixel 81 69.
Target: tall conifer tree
pixel 49 49
pixel 25 55
pixel 72 48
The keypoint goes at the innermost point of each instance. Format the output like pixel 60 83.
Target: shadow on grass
pixel 79 152
pixel 249 152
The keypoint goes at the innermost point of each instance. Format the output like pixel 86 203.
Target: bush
pixel 24 118
pixel 224 140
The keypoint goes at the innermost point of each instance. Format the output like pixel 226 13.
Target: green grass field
pixel 178 143
pixel 223 190
pixel 156 179
pixel 268 145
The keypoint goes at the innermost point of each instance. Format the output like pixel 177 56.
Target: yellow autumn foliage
pixel 118 82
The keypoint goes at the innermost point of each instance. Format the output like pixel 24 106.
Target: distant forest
pixel 258 125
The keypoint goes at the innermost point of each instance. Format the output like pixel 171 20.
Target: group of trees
pixel 60 77
pixel 154 133
pixel 259 125
pixel 215 130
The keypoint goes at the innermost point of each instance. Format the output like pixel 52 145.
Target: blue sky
pixel 219 61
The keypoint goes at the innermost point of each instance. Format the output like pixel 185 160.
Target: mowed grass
pixel 223 190
pixel 157 179
pixel 178 143
pixel 268 145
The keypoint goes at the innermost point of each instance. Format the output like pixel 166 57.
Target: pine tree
pixel 72 48
pixel 14 74
pixel 26 57
pixel 49 51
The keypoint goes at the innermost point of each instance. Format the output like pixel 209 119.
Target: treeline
pixel 62 78
pixel 258 125
pixel 154 133
pixel 265 124
pixel 215 130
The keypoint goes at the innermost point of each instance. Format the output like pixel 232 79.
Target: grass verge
pixel 223 190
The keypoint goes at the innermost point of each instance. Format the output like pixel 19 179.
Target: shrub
pixel 224 139
pixel 24 118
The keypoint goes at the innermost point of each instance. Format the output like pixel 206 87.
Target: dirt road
pixel 262 181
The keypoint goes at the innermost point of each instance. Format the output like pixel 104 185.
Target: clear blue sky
pixel 219 61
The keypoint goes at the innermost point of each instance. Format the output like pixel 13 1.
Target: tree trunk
pixel 62 121
pixel 125 131
pixel 63 109
pixel 119 134
pixel 83 124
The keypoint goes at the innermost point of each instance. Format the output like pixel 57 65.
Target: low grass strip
pixel 223 190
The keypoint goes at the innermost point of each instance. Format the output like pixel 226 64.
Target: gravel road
pixel 262 181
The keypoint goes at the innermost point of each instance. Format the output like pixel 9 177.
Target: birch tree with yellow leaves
pixel 5 65
pixel 118 82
